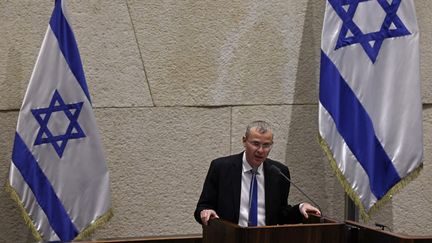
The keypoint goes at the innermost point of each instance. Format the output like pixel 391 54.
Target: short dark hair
pixel 261 127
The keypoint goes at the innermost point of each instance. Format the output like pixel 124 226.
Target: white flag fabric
pixel 370 110
pixel 58 172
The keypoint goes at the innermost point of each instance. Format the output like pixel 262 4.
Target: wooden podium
pixel 313 231
pixel 362 233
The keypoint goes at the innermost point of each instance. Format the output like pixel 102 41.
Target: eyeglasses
pixel 258 145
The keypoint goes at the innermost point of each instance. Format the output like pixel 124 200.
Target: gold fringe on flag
pixel 366 215
pixel 38 237
pixel 28 221
pixel 95 224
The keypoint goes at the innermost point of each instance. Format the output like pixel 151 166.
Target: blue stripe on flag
pixel 356 128
pixel 68 45
pixel 43 191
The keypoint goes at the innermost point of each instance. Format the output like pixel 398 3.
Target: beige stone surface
pixel 110 53
pixel 23 27
pixel 424 19
pixel 106 40
pixel 223 52
pixel 174 83
pixel 158 159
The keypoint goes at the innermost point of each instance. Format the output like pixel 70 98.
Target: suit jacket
pixel 222 188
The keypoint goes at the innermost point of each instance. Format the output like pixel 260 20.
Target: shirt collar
pixel 247 167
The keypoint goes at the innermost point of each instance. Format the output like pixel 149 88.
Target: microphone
pixel 278 171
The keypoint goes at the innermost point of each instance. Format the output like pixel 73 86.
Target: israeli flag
pixel 370 110
pixel 58 172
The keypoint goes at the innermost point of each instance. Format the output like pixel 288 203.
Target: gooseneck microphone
pixel 278 171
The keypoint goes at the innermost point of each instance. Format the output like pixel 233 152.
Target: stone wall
pixel 174 82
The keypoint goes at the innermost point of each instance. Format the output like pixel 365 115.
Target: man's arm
pixel 207 203
pixel 295 214
pixel 207 214
pixel 290 214
pixel 307 208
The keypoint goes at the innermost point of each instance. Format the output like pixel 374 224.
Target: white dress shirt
pixel 244 195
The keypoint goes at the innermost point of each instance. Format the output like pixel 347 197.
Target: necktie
pixel 253 200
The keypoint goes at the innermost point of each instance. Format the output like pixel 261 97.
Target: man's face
pixel 257 146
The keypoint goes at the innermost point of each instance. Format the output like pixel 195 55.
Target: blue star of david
pixel 73 131
pixel 392 26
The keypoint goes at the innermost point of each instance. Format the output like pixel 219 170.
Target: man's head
pixel 257 141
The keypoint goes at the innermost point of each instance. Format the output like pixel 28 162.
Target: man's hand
pixel 207 214
pixel 306 209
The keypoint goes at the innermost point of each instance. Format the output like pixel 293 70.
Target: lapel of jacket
pixel 236 177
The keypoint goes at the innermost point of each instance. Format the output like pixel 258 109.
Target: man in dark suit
pixel 244 190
